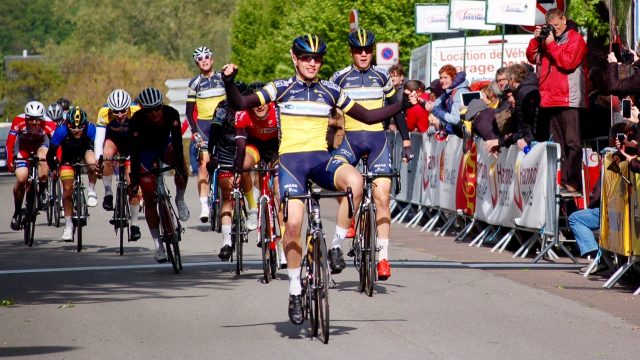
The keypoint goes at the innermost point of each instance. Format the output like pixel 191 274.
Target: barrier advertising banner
pixel 468 181
pixel 635 214
pixel 614 213
pixel 448 165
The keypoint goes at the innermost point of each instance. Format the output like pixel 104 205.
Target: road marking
pixel 257 263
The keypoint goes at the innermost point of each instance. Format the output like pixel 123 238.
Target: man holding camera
pixel 559 51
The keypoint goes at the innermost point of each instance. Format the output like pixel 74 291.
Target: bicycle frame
pixel 80 212
pixel 169 221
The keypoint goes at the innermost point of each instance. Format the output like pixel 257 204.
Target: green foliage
pixel 586 13
pixel 29 80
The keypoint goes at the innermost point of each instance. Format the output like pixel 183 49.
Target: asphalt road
pixel 99 305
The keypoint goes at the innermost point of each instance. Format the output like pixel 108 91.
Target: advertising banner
pixel 468 15
pixel 468 181
pixel 635 214
pixel 432 19
pixel 511 12
pixel 614 213
pixel 533 191
pixel 449 163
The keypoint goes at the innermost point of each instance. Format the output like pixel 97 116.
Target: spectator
pixel 491 94
pixel 627 86
pixel 526 95
pixel 396 72
pixel 561 61
pixel 417 117
pixel 483 123
pixel 501 78
pixel 598 116
pixel 447 107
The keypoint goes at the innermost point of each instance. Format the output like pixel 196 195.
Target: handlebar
pixel 395 175
pixel 317 195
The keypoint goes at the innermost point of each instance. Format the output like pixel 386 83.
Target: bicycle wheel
pixel 370 251
pixel 309 287
pixel 264 239
pixel 56 202
pixel 321 284
pixel 239 230
pixel 176 249
pixel 360 250
pixel 168 230
pixel 50 203
pixel 79 215
pixel 29 214
pixel 121 214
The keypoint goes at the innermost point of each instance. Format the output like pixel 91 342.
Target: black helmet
pixel 309 44
pixel 150 98
pixel 65 103
pixel 361 38
pixel 76 118
pixel 254 86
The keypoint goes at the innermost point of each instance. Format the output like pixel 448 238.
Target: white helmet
pixel 34 109
pixel 119 100
pixel 201 51
pixel 55 112
pixel 150 97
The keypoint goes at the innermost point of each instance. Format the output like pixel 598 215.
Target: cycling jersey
pixel 28 140
pixel 304 111
pixel 206 93
pixel 368 87
pixel 73 149
pixel 109 127
pixel 259 129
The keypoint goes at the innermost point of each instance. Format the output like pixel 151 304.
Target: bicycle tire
pixel 273 262
pixel 321 280
pixel 29 215
pixel 170 255
pixel 57 203
pixel 237 218
pixel 79 215
pixel 176 249
pixel 49 209
pixel 263 238
pixel 360 251
pixel 168 229
pixel 311 293
pixel 370 246
pixel 121 214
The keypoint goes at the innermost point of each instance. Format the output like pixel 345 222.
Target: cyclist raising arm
pixel 305 103
pixel 156 135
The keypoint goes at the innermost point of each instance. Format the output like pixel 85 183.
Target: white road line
pixel 408 264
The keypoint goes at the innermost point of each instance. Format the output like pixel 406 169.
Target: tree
pixel 29 80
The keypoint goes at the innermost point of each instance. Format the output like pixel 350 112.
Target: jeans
pixel 582 224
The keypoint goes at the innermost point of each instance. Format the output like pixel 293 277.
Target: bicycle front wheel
pixel 49 203
pixel 263 238
pixel 122 215
pixel 29 215
pixel 56 202
pixel 240 230
pixel 370 251
pixel 168 229
pixel 321 284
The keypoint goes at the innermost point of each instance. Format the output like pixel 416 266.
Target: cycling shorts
pixel 24 152
pixel 205 127
pixel 121 142
pixel 318 166
pixel 358 143
pixel 267 150
pixel 66 172
pixel 149 156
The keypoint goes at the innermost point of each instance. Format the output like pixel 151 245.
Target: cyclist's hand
pixel 132 190
pixel 229 72
pixel 212 165
pixel 407 155
pixel 10 166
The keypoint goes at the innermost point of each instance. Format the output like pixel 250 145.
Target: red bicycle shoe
pixel 384 270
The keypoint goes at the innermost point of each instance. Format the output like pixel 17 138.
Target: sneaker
pixel 107 202
pixel 225 253
pixel 92 199
pixel 15 222
pixel 351 231
pixel 204 214
pixel 596 269
pixel 296 315
pixel 67 234
pixel 252 219
pixel 336 260
pixel 384 270
pixel 135 233
pixel 183 210
pixel 160 256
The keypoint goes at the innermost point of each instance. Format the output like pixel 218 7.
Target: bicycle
pixel 213 200
pixel 80 212
pixel 239 231
pixel 315 283
pixel 30 209
pixel 269 226
pixel 170 227
pixel 54 201
pixel 364 244
pixel 121 216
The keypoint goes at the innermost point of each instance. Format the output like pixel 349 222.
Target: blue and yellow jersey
pixel 304 111
pixel 368 87
pixel 206 92
pixel 106 119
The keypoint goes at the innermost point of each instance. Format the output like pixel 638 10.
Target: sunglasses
pixel 308 57
pixel 32 118
pixel 76 130
pixel 205 57
pixel 367 50
pixel 119 112
pixel 155 108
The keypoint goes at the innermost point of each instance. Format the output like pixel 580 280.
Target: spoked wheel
pixel 321 285
pixel 359 253
pixel 176 248
pixel 80 218
pixel 240 233
pixel 56 202
pixel 214 211
pixel 370 252
pixel 169 237
pixel 29 216
pixel 122 217
pixel 168 241
pixel 265 243
pixel 50 203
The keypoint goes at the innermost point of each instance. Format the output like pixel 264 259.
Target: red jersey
pixel 262 130
pixel 417 116
pixel 28 139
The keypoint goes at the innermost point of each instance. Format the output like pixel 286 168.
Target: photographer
pixel 559 52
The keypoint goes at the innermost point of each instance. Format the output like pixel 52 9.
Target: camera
pixel 545 31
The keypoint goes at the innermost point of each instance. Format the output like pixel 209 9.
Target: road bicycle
pixel 315 275
pixel 54 201
pixel 80 212
pixel 30 209
pixel 213 200
pixel 121 216
pixel 268 224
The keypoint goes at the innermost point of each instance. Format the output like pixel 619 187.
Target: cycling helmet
pixel 119 100
pixel 150 97
pixel 65 103
pixel 76 118
pixel 34 109
pixel 54 112
pixel 202 50
pixel 242 86
pixel 361 38
pixel 309 44
pixel 254 86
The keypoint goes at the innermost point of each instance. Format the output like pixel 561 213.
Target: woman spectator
pixel 447 107
pixel 417 117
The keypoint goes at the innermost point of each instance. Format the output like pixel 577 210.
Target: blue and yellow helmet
pixel 361 38
pixel 309 44
pixel 76 118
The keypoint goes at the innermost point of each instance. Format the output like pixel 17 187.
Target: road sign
pixel 542 9
pixel 354 18
pixel 387 54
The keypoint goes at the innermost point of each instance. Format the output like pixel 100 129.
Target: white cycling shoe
pixel 92 199
pixel 160 256
pixel 67 234
pixel 252 219
pixel 204 214
pixel 183 210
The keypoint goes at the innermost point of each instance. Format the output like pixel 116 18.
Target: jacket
pixel 562 69
pixel 447 106
pixel 525 113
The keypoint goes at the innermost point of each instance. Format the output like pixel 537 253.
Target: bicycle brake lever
pixel 285 210
pixel 350 199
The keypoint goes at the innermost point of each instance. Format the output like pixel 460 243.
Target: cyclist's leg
pixel 22 175
pixel 148 187
pixel 202 185
pixel 181 184
pixel 92 198
pixel 110 149
pixel 225 181
pixel 350 152
pixel 251 158
pixel 66 178
pixel 43 173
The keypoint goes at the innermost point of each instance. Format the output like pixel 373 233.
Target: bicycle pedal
pixel 351 253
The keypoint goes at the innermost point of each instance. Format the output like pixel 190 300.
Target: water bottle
pixel 526 149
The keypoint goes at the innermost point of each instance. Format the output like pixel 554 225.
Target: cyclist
pixel 206 90
pixel 371 86
pixel 55 113
pixel 112 137
pixel 305 105
pixel 75 137
pixel 65 103
pixel 156 135
pixel 262 143
pixel 225 141
pixel 30 132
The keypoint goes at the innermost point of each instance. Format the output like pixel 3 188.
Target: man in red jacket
pixel 562 71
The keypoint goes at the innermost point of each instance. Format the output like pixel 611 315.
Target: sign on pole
pixel 515 12
pixel 541 11
pixel 432 19
pixel 354 18
pixel 468 15
pixel 387 54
